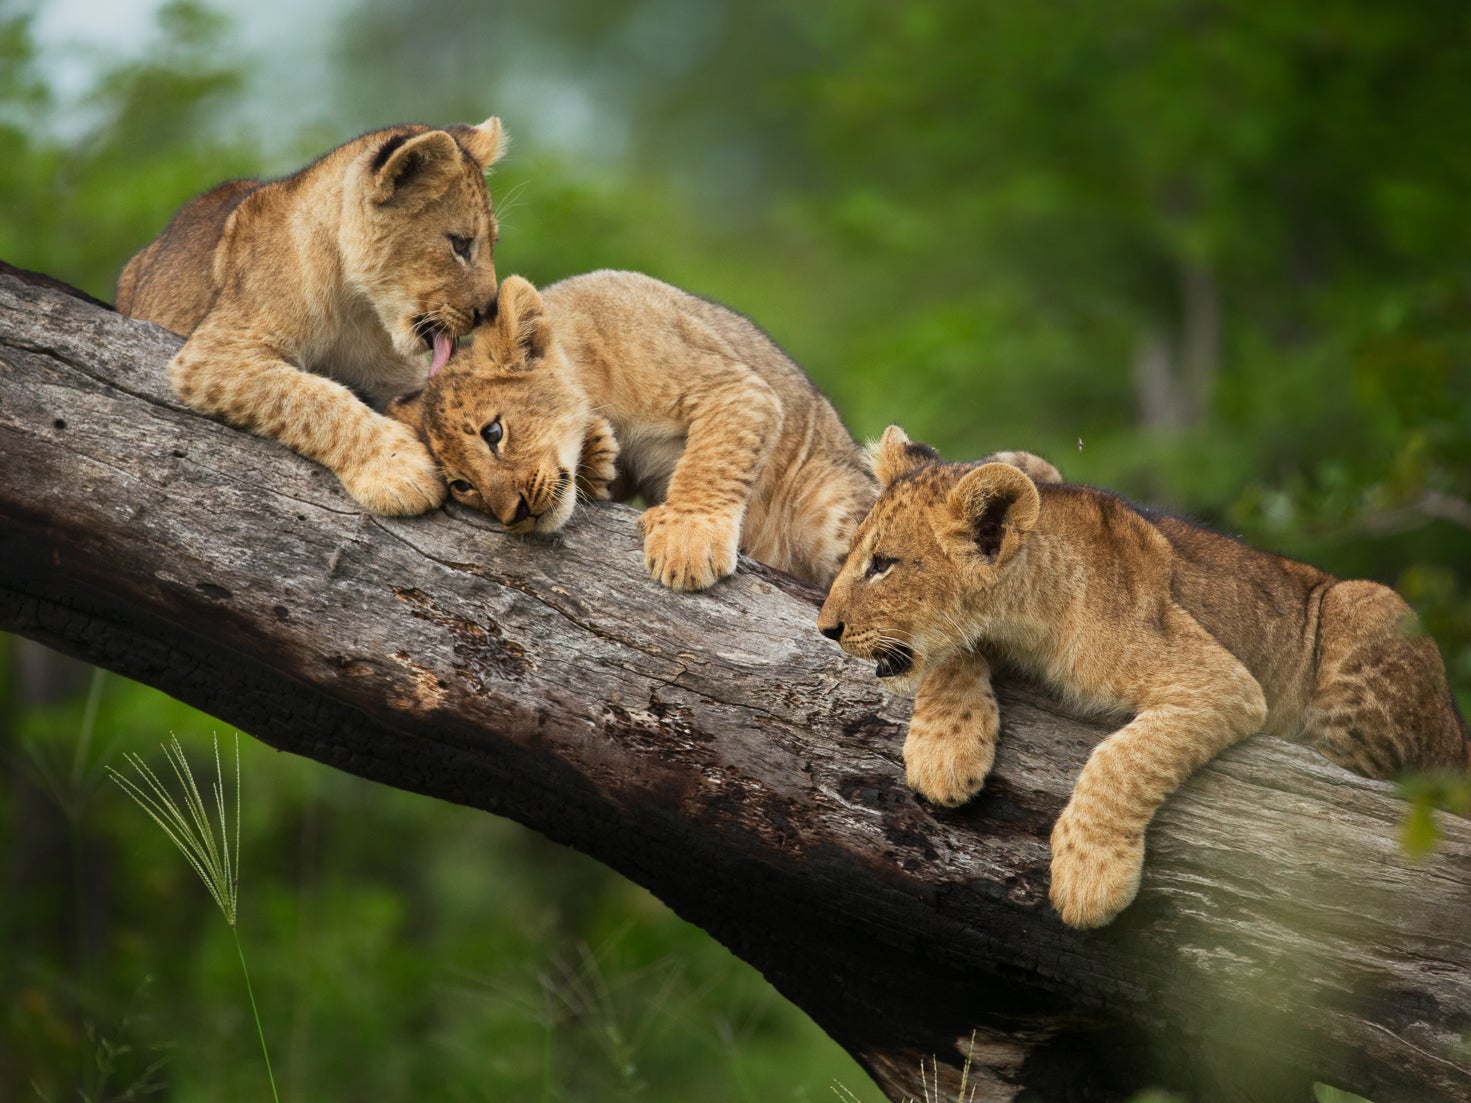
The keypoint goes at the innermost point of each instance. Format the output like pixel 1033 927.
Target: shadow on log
pixel 716 750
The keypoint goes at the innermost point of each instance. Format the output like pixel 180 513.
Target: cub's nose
pixel 523 511
pixel 832 631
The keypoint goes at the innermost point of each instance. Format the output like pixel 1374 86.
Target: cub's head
pixel 938 548
pixel 509 425
pixel 418 232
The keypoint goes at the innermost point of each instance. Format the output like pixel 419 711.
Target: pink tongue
pixel 444 344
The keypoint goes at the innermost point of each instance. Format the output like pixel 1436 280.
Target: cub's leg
pixel 597 467
pixel 380 461
pixel 952 733
pixel 1380 704
pixel 1205 701
pixel 692 538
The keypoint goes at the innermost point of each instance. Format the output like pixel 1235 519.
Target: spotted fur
pixel 646 391
pixel 299 295
pixel 1201 639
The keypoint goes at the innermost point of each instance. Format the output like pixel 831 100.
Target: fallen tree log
pixel 716 750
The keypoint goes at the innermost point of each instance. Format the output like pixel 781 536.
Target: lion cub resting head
pixel 514 433
pixel 1203 640
pixel 620 385
pixel 305 296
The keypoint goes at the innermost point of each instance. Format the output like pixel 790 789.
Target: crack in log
pixel 83 368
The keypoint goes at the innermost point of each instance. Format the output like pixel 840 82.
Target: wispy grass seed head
pixel 187 821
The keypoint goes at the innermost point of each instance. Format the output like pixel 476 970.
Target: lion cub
pixel 619 385
pixel 1204 640
pixel 296 293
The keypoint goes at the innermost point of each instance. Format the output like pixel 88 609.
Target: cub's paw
pixel 598 465
pixel 397 476
pixel 688 551
pixel 1095 872
pixel 947 761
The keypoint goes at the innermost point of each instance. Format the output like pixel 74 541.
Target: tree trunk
pixel 715 749
pixel 1172 385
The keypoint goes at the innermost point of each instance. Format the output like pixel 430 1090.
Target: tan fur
pixel 1203 640
pixel 300 295
pixel 710 423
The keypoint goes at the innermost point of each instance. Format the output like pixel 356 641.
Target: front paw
pixel 598 465
pixel 945 761
pixel 686 550
pixel 1095 869
pixel 397 476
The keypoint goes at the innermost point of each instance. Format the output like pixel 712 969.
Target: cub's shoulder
pixel 625 306
pixel 206 214
pixel 1115 522
pixel 1104 526
pixel 615 289
pixel 162 282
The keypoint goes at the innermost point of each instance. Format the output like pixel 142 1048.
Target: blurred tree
pixel 1217 194
pixel 76 205
pixel 22 92
pixel 694 92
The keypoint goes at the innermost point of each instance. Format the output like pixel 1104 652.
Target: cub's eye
pixel 493 434
pixel 878 564
pixel 460 486
pixel 461 245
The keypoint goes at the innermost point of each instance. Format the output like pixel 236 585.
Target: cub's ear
pixel 486 142
pixel 521 319
pixel 409 409
pixel 407 167
pixel 895 454
pixel 997 507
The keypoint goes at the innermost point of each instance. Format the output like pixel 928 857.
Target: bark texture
pixel 715 749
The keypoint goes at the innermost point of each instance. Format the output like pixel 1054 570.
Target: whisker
pixel 508 202
pixel 971 636
pixel 960 632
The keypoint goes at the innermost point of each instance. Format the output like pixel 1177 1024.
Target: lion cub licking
pixel 616 384
pixel 296 293
pixel 1204 640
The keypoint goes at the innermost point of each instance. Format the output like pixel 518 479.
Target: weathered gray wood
pixel 715 749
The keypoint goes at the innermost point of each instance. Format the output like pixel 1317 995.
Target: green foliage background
pixel 1214 254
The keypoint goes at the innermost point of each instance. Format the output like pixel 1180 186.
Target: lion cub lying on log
pixel 1204 640
pixel 619 385
pixel 352 268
